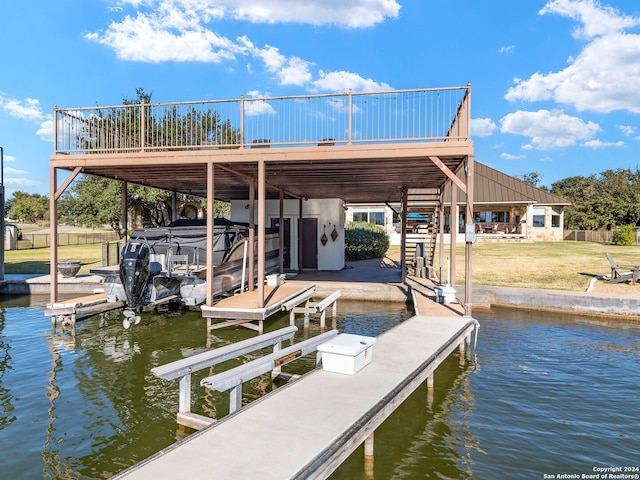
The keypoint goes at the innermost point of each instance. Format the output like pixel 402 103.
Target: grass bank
pixel 555 265
pixel 565 265
pixel 36 261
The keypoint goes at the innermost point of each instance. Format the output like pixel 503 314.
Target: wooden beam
pixel 262 238
pixel 65 184
pixel 210 230
pixel 454 178
pixel 53 225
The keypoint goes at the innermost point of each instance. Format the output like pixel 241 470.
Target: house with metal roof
pixel 505 207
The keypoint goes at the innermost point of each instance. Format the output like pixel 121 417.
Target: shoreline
pixel 608 305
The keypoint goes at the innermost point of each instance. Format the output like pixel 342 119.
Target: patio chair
pixel 617 276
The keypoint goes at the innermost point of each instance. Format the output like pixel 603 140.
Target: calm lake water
pixel 543 394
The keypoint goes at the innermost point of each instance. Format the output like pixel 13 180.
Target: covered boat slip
pixel 306 429
pixel 371 147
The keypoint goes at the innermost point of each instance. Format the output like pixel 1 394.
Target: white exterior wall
pixel 328 212
pixel 546 233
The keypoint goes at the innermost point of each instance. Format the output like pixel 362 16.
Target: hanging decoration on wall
pixel 324 239
pixel 334 233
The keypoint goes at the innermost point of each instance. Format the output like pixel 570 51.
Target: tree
pixel 606 200
pixel 31 207
pixel 532 178
pixel 96 201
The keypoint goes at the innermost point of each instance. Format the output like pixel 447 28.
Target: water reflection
pixel 7 409
pixel 546 394
pixel 53 465
pixel 423 438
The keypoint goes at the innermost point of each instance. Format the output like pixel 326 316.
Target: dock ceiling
pixel 355 174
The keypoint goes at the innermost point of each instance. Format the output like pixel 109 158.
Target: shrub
pixel 624 235
pixel 364 241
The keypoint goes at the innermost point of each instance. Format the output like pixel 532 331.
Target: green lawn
pixel 37 260
pixel 556 265
pixel 565 265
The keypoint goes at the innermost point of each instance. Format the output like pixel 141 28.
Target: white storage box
pixel 446 294
pixel 346 353
pixel 275 279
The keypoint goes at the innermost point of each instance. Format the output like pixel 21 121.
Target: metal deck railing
pixel 425 115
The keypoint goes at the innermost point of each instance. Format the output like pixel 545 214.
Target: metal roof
pixel 494 187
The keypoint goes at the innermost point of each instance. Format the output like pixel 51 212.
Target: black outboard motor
pixel 134 271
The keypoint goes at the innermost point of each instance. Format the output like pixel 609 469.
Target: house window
pixel 555 217
pixel 374 216
pixel 360 216
pixel 489 216
pixel 538 216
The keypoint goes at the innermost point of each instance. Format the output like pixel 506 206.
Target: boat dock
pixel 69 311
pixel 307 428
pixel 243 309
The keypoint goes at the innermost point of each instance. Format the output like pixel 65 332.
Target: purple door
pixel 309 243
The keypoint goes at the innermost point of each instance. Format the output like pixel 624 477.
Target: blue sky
pixel 555 84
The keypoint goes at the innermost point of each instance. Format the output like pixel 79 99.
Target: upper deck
pixel 355 146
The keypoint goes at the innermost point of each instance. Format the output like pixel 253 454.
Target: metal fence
pixel 43 240
pixel 439 114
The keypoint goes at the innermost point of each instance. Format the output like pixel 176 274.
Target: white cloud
pixel 257 106
pixel 168 34
pixel 351 14
pixel 289 71
pixel 508 49
pixel 14 171
pixel 482 127
pixel 342 81
pixel 596 19
pixel 27 109
pixel 510 156
pixel 627 130
pixel 178 30
pixel 604 75
pixel 45 132
pixel 596 144
pixel 296 72
pixel 548 129
pixel 19 182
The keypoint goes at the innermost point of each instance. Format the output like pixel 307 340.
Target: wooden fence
pixel 596 236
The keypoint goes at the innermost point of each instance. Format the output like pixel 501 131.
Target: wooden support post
pixel 261 234
pixel 368 455
pixel 403 236
pixel 453 233
pixel 469 169
pixel 53 226
pixel 210 231
pixel 252 236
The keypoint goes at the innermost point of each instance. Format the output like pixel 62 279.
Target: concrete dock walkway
pixel 307 428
